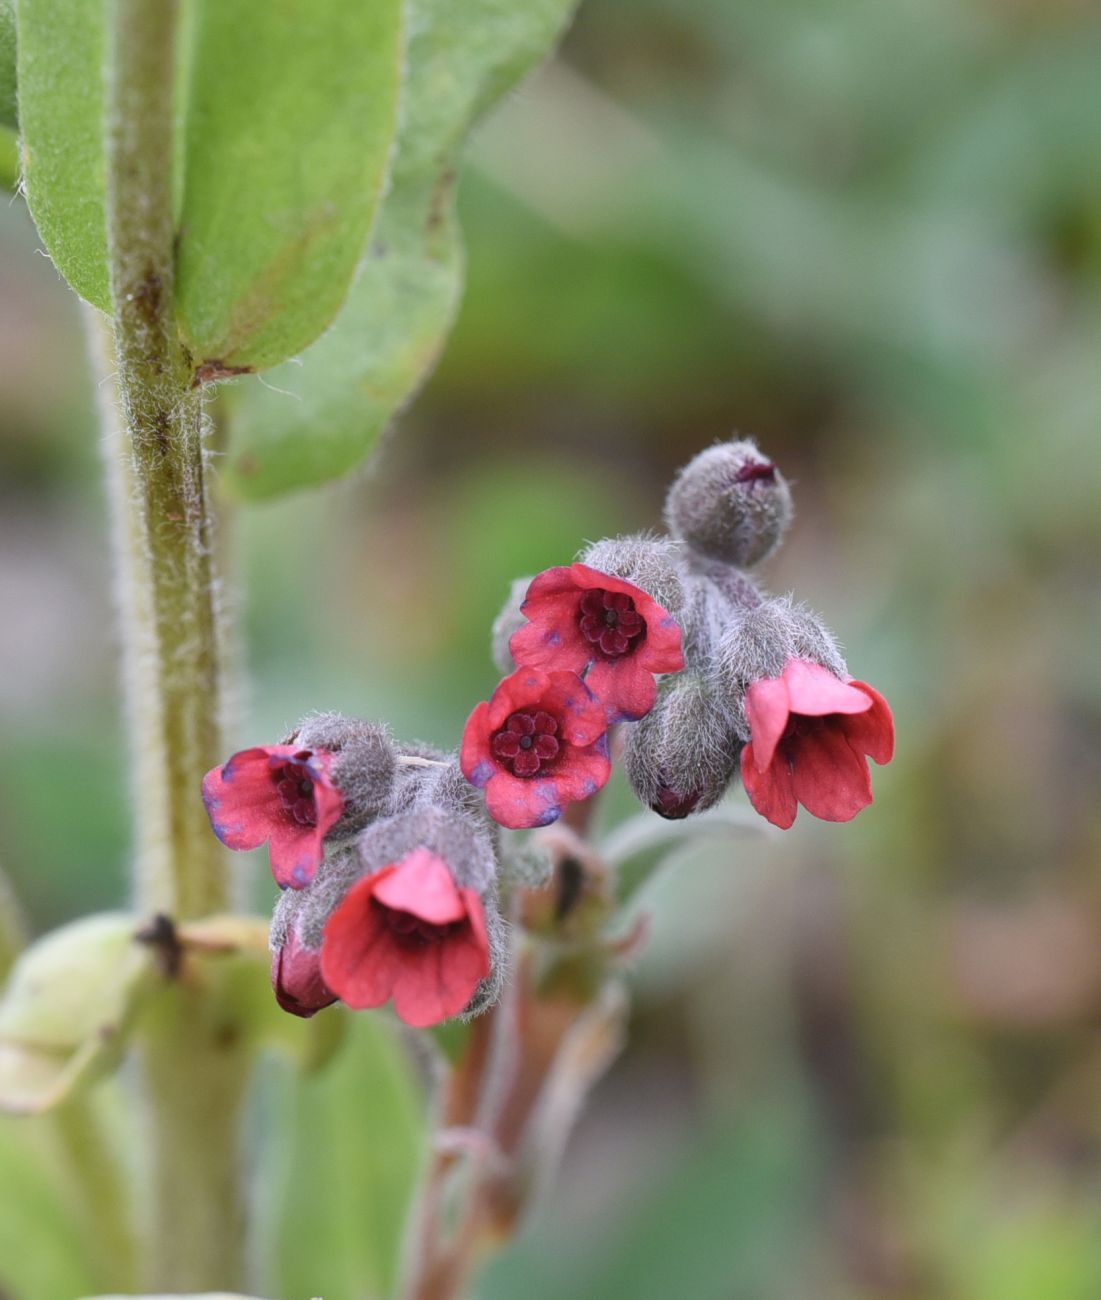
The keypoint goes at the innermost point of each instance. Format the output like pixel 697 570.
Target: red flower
pixel 296 978
pixel 810 733
pixel 281 794
pixel 538 743
pixel 580 616
pixel 407 932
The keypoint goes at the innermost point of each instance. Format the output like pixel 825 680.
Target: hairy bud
pixel 364 764
pixel 730 503
pixel 682 756
pixel 651 563
pixel 296 976
pixel 760 642
pixel 508 621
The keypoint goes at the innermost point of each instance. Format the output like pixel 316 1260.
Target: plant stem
pixel 172 641
pixel 193 1079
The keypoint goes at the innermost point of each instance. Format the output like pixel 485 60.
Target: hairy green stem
pixel 173 654
pixel 193 1079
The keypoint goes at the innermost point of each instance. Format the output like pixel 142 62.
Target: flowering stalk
pixel 163 548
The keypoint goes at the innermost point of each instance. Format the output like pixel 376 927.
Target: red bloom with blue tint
pixel 279 793
pixel 538 743
pixel 409 933
pixel 579 617
pixel 811 737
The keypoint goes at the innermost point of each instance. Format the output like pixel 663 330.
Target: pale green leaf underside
pixel 319 418
pixel 61 51
pixel 289 125
pixel 7 63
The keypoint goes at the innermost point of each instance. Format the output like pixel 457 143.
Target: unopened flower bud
pixel 730 503
pixel 682 756
pixel 651 563
pixel 296 963
pixel 508 621
pixel 363 767
pixel 761 641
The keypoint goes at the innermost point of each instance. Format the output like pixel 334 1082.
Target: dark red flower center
pixel 610 622
pixel 294 781
pixel 528 742
pixel 413 931
pixel 754 470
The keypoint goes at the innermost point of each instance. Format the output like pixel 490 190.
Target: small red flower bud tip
pixel 279 793
pixel 409 933
pixel 674 806
pixel 538 743
pixel 296 978
pixel 811 735
pixel 578 616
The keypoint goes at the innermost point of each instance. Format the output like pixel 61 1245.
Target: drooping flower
pixel 280 793
pixel 538 743
pixel 409 933
pixel 810 737
pixel 296 977
pixel 579 616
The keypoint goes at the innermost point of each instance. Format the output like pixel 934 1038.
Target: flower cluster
pixel 390 856
pixel 587 656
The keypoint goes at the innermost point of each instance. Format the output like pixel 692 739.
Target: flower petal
pixel 626 689
pixel 422 884
pixel 814 691
pixel 830 779
pixel 519 804
pixel 295 852
pixel 586 772
pixel 360 959
pixel 439 980
pixel 872 733
pixel 770 788
pixel 241 798
pixel 767 709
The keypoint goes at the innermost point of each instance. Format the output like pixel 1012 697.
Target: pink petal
pixel 475 758
pixel 241 798
pixel 770 789
pixel 624 687
pixel 360 959
pixel 519 804
pixel 582 772
pixel 295 852
pixel 581 714
pixel 442 977
pixel 661 652
pixel 814 691
pixel 422 884
pixel 767 710
pixel 830 779
pixel 872 733
pixel 551 639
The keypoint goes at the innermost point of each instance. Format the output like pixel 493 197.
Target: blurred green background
pixel 865 1058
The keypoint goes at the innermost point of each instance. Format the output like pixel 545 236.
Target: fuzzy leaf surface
pixel 290 120
pixel 61 95
pixel 320 418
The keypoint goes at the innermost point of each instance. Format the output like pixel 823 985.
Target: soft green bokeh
pixel 870 234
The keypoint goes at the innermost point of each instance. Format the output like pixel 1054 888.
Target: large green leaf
pixel 61 53
pixel 7 63
pixel 290 122
pixel 341 1149
pixel 43 1255
pixel 318 419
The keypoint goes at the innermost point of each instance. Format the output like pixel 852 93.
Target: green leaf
pixel 290 122
pixel 7 63
pixel 61 52
pixel 342 1171
pixel 67 1009
pixel 42 1253
pixel 317 420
